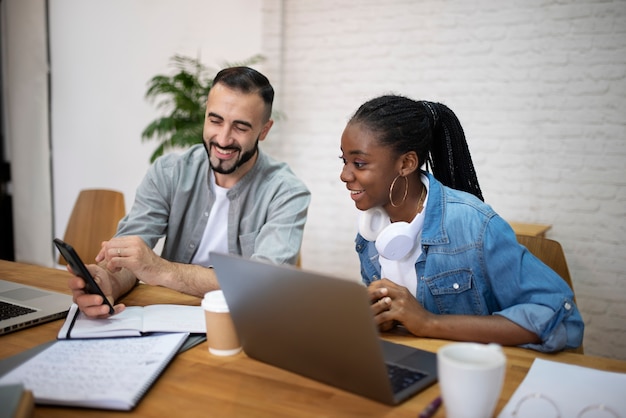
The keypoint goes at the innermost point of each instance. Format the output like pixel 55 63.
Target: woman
pixel 437 259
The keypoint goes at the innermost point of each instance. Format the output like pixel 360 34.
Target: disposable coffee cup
pixel 220 330
pixel 470 377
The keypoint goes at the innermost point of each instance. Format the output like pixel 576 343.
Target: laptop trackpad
pixel 408 356
pixel 395 352
pixel 23 294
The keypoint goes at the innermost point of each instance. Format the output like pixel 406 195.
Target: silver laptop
pixel 23 306
pixel 320 327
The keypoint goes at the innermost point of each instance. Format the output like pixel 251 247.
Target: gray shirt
pixel 268 208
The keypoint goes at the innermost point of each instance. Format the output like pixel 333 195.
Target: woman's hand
pixel 394 304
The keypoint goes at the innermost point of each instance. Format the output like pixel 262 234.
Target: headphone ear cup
pixel 372 222
pixel 395 241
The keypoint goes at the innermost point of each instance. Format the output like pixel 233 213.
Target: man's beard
pixel 243 158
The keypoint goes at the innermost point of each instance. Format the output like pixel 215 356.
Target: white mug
pixel 470 377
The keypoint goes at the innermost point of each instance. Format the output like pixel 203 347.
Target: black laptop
pixel 321 327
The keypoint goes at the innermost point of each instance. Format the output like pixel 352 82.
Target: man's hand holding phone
pixel 93 305
pixel 89 286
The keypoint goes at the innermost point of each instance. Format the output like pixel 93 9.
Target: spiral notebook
pixel 109 373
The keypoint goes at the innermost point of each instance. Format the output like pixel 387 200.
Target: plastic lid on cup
pixel 230 352
pixel 214 301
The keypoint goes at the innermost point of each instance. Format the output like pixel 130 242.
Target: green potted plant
pixel 183 96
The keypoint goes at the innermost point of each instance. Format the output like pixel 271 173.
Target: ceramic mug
pixel 470 377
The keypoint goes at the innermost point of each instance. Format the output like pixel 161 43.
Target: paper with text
pixel 99 373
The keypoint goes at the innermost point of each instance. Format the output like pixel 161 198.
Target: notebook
pixel 23 306
pixel 320 327
pixel 102 373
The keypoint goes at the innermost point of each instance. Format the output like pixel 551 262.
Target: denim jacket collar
pixel 434 232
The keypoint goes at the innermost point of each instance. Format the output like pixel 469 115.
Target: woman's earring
pixel 406 190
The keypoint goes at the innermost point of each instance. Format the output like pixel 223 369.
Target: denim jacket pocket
pixel 454 292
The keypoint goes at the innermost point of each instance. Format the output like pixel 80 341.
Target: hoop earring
pixel 406 190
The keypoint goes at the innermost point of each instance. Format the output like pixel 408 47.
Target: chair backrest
pixel 94 219
pixel 551 253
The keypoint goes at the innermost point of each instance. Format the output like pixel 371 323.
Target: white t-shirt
pixel 402 271
pixel 215 236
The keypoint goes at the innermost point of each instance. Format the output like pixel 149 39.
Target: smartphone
pixel 79 268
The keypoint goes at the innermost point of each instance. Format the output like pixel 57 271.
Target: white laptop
pixel 318 326
pixel 23 306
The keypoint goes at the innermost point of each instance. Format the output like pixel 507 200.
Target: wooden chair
pixel 551 253
pixel 94 219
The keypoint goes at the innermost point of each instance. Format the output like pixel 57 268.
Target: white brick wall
pixel 539 86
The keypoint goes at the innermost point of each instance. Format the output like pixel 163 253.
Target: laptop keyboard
pixel 401 377
pixel 9 310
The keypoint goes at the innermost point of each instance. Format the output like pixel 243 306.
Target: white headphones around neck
pixel 393 240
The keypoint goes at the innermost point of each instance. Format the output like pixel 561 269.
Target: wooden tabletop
pixel 533 230
pixel 199 384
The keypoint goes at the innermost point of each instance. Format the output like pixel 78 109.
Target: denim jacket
pixel 472 264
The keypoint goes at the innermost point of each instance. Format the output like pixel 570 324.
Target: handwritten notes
pixel 98 373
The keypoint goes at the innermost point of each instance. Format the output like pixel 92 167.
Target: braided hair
pixel 430 129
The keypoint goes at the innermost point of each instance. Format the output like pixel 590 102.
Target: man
pixel 225 195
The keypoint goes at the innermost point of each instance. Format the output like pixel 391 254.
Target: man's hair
pixel 430 129
pixel 249 81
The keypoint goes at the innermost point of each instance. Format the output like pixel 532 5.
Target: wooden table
pixel 198 384
pixel 533 230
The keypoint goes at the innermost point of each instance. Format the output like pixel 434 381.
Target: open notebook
pixel 23 306
pixel 320 327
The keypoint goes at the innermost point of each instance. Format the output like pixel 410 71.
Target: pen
pixel 432 407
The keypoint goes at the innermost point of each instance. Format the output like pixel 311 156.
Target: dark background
pixel 6 210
